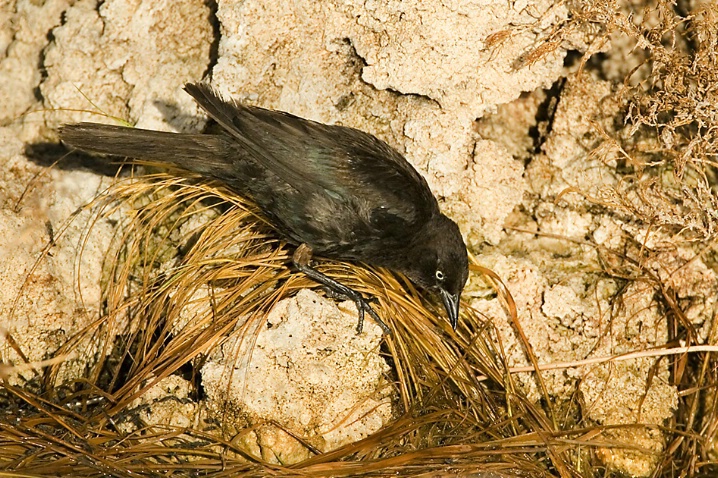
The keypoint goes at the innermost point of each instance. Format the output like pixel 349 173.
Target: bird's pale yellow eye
pixel 439 276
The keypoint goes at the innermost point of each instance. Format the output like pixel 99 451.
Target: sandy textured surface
pixel 427 77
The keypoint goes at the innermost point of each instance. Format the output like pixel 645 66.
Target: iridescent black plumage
pixel 339 191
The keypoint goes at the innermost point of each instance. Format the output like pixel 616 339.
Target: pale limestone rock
pixel 343 62
pixel 128 59
pixel 308 371
pixel 415 74
pixel 24 25
pixel 44 302
pixel 166 404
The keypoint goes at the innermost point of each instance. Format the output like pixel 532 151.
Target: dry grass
pixel 164 257
pixel 667 146
pixel 175 245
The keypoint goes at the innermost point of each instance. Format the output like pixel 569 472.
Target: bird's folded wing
pixel 318 159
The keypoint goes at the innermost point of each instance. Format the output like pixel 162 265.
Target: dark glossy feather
pixel 315 158
pixel 341 191
pixel 335 188
pixel 201 153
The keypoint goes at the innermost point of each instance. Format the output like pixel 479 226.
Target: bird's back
pixel 343 192
pixel 338 189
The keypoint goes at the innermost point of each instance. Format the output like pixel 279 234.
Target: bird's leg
pixel 332 294
pixel 302 257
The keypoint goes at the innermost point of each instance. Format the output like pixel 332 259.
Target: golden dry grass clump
pixel 194 264
pixel 186 245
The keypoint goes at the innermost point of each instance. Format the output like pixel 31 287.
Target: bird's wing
pixel 319 160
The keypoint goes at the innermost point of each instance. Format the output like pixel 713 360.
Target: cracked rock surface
pixel 443 82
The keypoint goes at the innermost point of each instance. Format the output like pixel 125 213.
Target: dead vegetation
pixel 79 428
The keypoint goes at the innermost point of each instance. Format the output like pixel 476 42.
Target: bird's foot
pixel 363 306
pixel 301 260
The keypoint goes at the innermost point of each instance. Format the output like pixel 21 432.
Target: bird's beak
pixel 451 303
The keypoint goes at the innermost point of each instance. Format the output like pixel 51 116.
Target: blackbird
pixel 330 190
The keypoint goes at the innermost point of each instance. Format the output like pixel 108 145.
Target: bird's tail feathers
pixel 200 153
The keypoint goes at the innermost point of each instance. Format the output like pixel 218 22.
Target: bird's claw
pixel 363 306
pixel 336 289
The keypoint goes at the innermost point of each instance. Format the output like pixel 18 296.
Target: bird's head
pixel 439 263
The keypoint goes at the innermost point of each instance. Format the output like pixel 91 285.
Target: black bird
pixel 331 190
